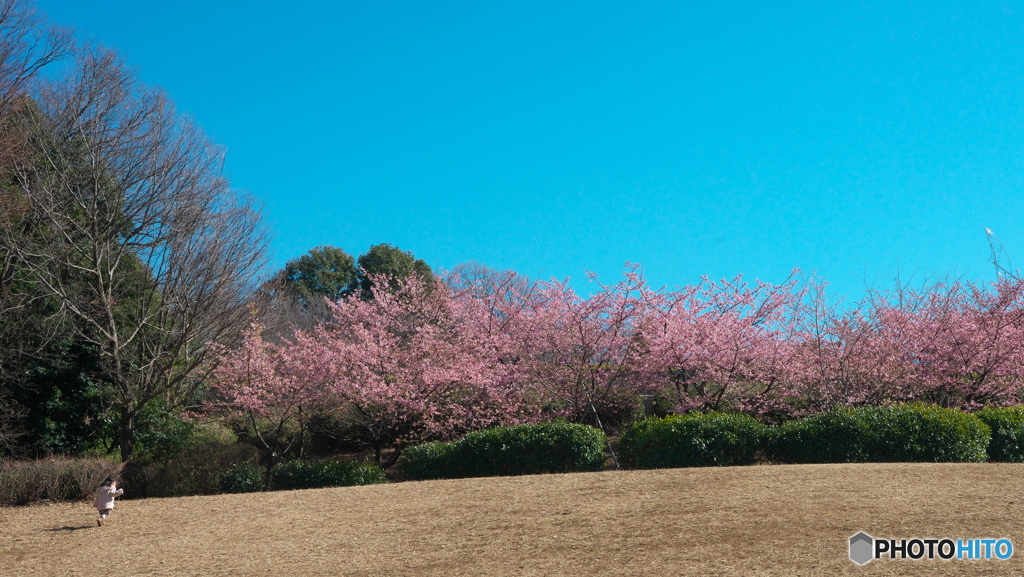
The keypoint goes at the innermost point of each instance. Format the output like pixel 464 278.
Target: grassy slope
pixel 762 520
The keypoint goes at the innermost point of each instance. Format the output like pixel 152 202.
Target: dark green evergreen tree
pixel 325 271
pixel 396 264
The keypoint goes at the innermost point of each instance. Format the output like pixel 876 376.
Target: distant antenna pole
pixel 1000 256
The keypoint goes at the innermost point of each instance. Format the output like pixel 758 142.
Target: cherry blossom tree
pixel 419 362
pixel 962 343
pixel 258 388
pixel 953 343
pixel 581 354
pixel 845 355
pixel 411 364
pixel 727 345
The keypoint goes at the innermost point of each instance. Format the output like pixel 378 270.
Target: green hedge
pixel 695 440
pixel 433 460
pixel 898 433
pixel 244 478
pixel 1007 424
pixel 326 473
pixel 836 436
pixel 519 450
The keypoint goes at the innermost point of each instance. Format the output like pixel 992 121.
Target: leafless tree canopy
pixel 27 44
pixel 147 246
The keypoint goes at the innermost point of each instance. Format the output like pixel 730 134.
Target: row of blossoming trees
pixel 434 360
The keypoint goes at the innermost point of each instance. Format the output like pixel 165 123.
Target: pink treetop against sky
pixel 953 343
pixel 727 344
pixel 961 339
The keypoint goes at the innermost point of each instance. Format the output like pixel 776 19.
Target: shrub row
pixel 326 473
pixel 897 433
pixel 520 450
pixel 63 479
pixel 249 477
pixel 216 469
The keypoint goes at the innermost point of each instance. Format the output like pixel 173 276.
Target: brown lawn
pixel 761 520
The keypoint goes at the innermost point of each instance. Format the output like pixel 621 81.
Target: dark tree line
pixel 124 252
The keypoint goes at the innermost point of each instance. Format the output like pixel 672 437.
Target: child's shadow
pixel 67 528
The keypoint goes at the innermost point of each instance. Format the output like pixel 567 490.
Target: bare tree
pixel 148 247
pixel 281 312
pixel 27 44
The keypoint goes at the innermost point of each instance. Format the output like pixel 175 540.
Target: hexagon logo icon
pixel 861 548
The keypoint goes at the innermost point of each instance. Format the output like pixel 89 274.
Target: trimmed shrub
pixel 61 479
pixel 244 478
pixel 506 451
pixel 1007 424
pixel 694 440
pixel 326 473
pixel 898 433
pixel 836 436
pixel 532 449
pixel 433 460
pixel 925 433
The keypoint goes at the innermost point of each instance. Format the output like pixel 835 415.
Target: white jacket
pixel 105 497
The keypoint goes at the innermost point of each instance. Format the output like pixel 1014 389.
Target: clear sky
pixel 552 138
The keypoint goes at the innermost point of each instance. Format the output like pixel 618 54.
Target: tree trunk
pixel 126 436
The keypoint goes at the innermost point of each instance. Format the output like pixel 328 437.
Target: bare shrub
pixel 60 479
pixel 88 474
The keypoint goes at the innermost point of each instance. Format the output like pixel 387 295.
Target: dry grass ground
pixel 761 520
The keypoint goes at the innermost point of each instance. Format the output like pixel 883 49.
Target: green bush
pixel 61 479
pixel 326 473
pixel 925 433
pixel 433 460
pixel 695 440
pixel 244 478
pixel 898 433
pixel 1007 424
pixel 519 450
pixel 837 436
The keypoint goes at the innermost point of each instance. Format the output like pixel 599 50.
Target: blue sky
pixel 554 138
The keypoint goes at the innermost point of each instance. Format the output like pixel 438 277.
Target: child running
pixel 105 499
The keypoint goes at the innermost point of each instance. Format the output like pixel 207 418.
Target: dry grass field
pixel 761 520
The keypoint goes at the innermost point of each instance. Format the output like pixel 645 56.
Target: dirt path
pixel 762 520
